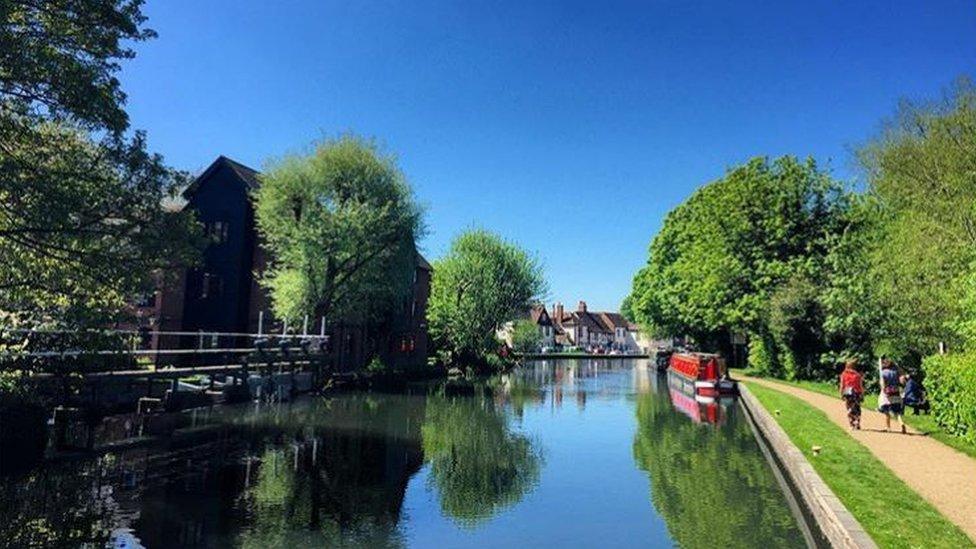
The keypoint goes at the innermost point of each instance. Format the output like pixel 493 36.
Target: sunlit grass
pixel 892 513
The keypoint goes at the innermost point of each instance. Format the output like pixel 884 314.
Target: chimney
pixel 582 307
pixel 557 312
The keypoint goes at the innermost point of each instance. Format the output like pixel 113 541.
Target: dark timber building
pixel 223 295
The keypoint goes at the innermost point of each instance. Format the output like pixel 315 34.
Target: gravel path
pixel 945 477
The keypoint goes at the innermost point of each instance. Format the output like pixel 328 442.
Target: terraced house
pixel 593 329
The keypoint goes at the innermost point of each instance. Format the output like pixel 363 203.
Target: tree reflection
pixel 55 508
pixel 298 509
pixel 708 482
pixel 477 464
pixel 349 490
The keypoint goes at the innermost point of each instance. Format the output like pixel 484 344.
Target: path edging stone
pixel 836 523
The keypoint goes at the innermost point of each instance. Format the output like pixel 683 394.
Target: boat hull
pixel 705 372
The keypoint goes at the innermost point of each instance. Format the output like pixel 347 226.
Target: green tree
pixel 795 327
pixel 854 318
pixel 482 282
pixel 721 254
pixel 922 170
pixel 627 308
pixel 82 224
pixel 526 337
pixel 341 225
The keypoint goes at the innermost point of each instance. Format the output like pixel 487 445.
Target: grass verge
pixel 923 423
pixel 891 512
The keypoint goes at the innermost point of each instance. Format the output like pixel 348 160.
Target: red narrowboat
pixel 707 372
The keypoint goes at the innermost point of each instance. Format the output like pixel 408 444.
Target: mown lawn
pixel 923 423
pixel 891 512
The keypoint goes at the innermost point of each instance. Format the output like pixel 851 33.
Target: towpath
pixel 945 477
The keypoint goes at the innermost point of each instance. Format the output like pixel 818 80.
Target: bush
pixel 763 357
pixel 526 337
pixel 951 384
pixel 376 366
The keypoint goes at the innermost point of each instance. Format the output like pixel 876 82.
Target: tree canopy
pixel 82 223
pixel 482 282
pixel 922 171
pixel 721 253
pixel 816 274
pixel 340 224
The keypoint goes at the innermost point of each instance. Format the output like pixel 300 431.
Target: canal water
pixel 573 453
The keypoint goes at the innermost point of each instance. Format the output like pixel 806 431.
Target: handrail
pixel 148 352
pixel 157 332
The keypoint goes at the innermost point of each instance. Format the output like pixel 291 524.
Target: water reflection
pixel 544 456
pixel 706 480
pixel 478 465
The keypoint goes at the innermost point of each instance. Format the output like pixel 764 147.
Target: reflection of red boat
pixel 706 371
pixel 701 409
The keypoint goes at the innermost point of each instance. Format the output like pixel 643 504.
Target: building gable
pixel 223 169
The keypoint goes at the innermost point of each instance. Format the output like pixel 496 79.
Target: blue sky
pixel 569 127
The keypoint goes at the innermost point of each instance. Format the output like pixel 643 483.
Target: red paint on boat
pixel 707 371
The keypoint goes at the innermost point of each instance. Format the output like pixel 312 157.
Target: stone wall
pixel 833 519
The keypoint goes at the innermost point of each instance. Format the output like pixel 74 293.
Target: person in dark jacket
pixel 914 395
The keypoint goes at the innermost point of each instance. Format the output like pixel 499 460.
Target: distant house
pixel 538 316
pixel 582 327
pixel 223 294
pixel 593 329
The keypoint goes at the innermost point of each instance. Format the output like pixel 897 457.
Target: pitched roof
pixel 588 319
pixel 248 175
pixel 423 263
pixel 539 315
pixel 613 320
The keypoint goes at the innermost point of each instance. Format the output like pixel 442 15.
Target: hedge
pixel 951 384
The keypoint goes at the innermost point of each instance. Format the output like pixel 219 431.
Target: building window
pixel 216 231
pixel 407 344
pixel 211 286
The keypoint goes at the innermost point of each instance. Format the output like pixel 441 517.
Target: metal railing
pixel 207 342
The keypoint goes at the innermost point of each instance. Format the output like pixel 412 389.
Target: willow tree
pixel 482 282
pixel 341 225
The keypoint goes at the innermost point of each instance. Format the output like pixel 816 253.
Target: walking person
pixel 890 401
pixel 852 391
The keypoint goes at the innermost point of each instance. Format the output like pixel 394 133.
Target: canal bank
pixel 827 516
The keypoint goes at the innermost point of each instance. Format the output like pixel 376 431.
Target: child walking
pixel 852 391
